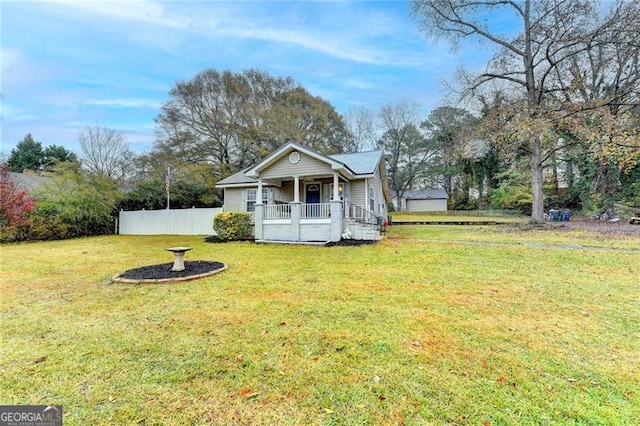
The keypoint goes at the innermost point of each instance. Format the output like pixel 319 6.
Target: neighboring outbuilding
pixel 422 200
pixel 307 196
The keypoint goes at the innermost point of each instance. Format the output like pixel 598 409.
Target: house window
pixel 327 192
pixel 251 199
pixel 372 201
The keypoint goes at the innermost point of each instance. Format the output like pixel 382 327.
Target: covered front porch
pixel 279 219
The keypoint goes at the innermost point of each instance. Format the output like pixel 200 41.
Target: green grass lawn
pixel 460 216
pixel 434 325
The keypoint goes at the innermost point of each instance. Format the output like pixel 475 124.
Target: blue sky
pixel 71 64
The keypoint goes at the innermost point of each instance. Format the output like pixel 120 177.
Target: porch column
pixel 336 220
pixel 296 206
pixel 336 210
pixel 259 213
pixel 296 189
pixel 336 182
pixel 294 229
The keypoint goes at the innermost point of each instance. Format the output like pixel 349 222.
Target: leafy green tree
pixel 449 127
pixel 151 195
pixel 297 116
pixel 55 154
pixel 28 154
pixel 513 191
pixel 630 182
pixel 75 203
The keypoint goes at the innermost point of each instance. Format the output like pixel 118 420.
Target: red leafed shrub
pixel 15 203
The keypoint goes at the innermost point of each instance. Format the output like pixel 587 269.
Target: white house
pixel 297 194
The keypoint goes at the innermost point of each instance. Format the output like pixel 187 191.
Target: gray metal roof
pixel 361 163
pixel 237 179
pixel 426 194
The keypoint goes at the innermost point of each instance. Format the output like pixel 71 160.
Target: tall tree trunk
pixel 537 179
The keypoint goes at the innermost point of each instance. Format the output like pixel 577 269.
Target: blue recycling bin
pixel 554 215
pixel 565 215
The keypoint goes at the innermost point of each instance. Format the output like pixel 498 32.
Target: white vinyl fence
pixel 168 222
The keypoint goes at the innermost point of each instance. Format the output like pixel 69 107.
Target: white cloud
pixel 10 112
pixel 10 59
pixel 359 84
pixel 124 103
pixel 131 10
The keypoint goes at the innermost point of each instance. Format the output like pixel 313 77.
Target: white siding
pixel 307 166
pixel 234 199
pixel 434 205
pixel 358 192
pixel 284 193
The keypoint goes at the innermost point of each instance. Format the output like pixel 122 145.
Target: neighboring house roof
pixel 355 164
pixel 239 178
pixel 425 194
pixel 29 182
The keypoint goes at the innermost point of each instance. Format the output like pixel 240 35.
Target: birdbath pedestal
pixel 178 262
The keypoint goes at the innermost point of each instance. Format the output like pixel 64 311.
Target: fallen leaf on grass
pixel 41 359
pixel 246 393
pixel 328 411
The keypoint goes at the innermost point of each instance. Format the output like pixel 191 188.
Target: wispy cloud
pixel 125 103
pixel 142 11
pixel 10 112
pixel 113 62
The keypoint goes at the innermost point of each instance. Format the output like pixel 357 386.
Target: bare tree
pixel 230 120
pixel 105 152
pixel 552 35
pixel 407 152
pixel 361 122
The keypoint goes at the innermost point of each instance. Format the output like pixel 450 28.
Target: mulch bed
pixel 347 243
pixel 163 272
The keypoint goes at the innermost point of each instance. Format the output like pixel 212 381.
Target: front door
pixel 313 193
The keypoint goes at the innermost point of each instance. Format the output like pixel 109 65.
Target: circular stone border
pixel 119 279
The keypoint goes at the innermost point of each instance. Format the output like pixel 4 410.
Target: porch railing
pixel 315 210
pixel 277 211
pixel 363 215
